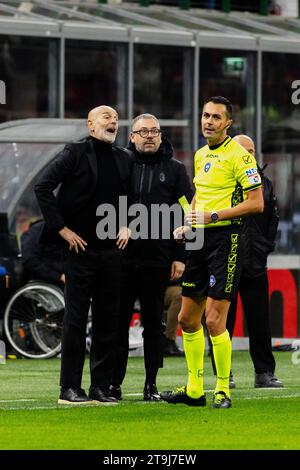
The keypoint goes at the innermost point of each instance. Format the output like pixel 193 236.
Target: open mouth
pixel 111 130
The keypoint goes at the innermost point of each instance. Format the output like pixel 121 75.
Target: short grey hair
pixel 144 116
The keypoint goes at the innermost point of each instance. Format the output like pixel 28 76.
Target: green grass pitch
pixel 259 419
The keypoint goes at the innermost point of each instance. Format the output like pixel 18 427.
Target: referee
pixel 228 187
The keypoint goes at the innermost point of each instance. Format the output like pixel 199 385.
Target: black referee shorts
pixel 214 270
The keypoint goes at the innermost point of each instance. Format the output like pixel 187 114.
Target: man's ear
pixel 229 123
pixel 90 124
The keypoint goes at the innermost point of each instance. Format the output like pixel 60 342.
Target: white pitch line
pixel 295 395
pixel 15 408
pixel 17 400
pixel 59 407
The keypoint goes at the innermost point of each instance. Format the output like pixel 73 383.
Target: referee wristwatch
pixel 214 217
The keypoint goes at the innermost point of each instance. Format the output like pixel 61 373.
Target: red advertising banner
pixel 284 305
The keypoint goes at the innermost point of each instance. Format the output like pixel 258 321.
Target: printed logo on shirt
pixel 212 280
pixel 231 268
pixel 254 179
pixel 207 167
pixel 231 265
pixel 247 159
pixel 232 258
pixel 251 171
pixel 162 177
pixel 252 175
pixel 228 288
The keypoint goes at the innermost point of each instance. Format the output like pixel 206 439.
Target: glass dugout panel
pixel 230 73
pixel 95 74
pixel 280 106
pixel 163 81
pixel 29 69
pixel 284 172
pixel 281 139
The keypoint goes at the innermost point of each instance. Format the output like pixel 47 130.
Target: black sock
pixel 151 376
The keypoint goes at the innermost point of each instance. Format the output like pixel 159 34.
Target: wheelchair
pixel 33 320
pixel 31 312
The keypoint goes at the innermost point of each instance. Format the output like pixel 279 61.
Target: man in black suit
pixel 91 173
pixel 150 263
pixel 259 241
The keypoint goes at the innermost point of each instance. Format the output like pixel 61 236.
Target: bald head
pixel 245 142
pixel 103 123
pixel 100 110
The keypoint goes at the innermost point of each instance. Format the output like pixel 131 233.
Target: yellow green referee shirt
pixel 223 174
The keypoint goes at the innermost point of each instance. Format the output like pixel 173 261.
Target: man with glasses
pixel 150 263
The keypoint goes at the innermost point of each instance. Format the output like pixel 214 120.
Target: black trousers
pixel 90 274
pixel 254 294
pixel 148 284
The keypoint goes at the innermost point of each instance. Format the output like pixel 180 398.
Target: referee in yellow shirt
pixel 228 187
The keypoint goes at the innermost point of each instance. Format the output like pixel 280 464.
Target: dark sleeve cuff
pixel 179 253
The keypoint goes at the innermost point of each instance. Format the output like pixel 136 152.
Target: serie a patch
pixel 252 175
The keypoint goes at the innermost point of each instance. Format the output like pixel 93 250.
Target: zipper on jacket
pixel 141 181
pixel 150 180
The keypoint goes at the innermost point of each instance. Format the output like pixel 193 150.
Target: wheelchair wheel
pixel 33 320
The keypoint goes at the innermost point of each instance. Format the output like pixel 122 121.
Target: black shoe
pixel 115 391
pixel 231 381
pixel 221 400
pixel 179 395
pixel 267 380
pixel 74 396
pixel 171 348
pixel 101 395
pixel 151 393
